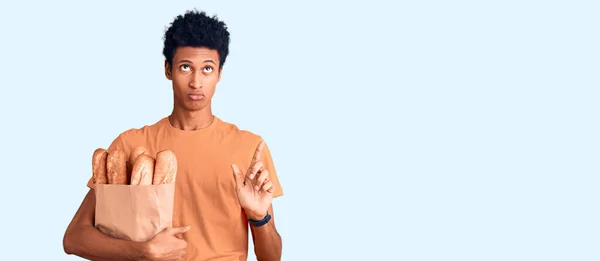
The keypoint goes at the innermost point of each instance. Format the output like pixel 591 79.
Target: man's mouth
pixel 196 96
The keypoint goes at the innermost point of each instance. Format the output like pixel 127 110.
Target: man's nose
pixel 196 81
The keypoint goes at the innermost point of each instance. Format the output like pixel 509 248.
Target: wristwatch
pixel 260 223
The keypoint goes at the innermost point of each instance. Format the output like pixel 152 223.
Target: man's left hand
pixel 254 189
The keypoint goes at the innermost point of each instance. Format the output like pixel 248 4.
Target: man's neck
pixel 191 120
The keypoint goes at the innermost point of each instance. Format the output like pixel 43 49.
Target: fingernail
pixel 251 176
pixel 256 187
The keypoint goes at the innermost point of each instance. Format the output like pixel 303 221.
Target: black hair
pixel 196 29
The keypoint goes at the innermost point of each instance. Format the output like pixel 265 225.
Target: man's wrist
pixel 141 250
pixel 256 216
pixel 255 222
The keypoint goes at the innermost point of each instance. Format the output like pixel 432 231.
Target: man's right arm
pixel 83 239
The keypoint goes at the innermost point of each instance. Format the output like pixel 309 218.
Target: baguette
pixel 135 153
pixel 165 170
pixel 99 166
pixel 116 167
pixel 143 170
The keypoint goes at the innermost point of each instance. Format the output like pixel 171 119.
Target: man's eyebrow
pixel 188 61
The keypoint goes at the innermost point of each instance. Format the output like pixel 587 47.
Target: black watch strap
pixel 262 222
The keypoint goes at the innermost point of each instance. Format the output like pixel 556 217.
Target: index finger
pixel 258 151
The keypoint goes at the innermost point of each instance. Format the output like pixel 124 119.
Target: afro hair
pixel 196 29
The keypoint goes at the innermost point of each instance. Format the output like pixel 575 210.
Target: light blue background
pixel 414 130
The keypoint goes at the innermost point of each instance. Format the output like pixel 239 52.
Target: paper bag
pixel 134 212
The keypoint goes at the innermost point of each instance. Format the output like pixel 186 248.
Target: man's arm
pixel 84 240
pixel 267 242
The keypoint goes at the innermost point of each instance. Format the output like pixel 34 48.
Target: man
pixel 226 178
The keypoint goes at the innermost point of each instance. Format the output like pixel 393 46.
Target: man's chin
pixel 194 106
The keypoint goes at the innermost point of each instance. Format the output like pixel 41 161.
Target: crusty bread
pixel 165 170
pixel 135 153
pixel 116 167
pixel 143 170
pixel 99 166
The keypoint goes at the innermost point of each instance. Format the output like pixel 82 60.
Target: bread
pixel 116 167
pixel 99 166
pixel 165 170
pixel 143 170
pixel 136 152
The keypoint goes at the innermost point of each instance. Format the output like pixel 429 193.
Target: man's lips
pixel 196 96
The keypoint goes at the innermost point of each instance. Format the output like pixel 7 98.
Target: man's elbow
pixel 67 247
pixel 69 242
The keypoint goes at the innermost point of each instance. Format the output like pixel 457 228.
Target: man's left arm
pixel 255 190
pixel 266 239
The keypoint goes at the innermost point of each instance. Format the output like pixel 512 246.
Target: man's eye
pixel 185 67
pixel 208 69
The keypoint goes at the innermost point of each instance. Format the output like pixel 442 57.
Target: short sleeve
pixel 267 160
pixel 116 144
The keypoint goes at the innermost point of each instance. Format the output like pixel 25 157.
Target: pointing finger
pixel 258 151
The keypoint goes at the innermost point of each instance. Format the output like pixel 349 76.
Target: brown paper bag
pixel 134 212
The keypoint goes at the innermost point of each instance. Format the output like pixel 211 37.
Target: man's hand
pixel 167 245
pixel 254 189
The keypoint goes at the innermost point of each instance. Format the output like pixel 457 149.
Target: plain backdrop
pixel 401 130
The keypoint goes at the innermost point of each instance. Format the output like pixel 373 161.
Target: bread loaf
pixel 99 166
pixel 116 167
pixel 135 153
pixel 165 170
pixel 143 170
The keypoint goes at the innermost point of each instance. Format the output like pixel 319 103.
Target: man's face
pixel 195 74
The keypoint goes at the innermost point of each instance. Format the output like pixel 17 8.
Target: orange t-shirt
pixel 205 197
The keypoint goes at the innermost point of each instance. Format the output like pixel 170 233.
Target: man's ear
pixel 168 70
pixel 220 74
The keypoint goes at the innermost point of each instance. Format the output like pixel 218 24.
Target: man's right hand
pixel 167 245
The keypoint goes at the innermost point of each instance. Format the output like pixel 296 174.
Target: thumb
pixel 237 174
pixel 178 230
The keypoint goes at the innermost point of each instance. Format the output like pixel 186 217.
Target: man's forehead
pixel 196 53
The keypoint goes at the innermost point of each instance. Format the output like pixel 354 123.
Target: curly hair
pixel 196 29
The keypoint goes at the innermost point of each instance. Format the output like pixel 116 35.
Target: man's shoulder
pixel 232 129
pixel 142 131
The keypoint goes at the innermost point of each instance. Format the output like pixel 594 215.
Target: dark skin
pixel 255 192
pixel 194 75
pixel 197 70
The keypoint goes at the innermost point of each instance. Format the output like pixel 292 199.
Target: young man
pixel 226 178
